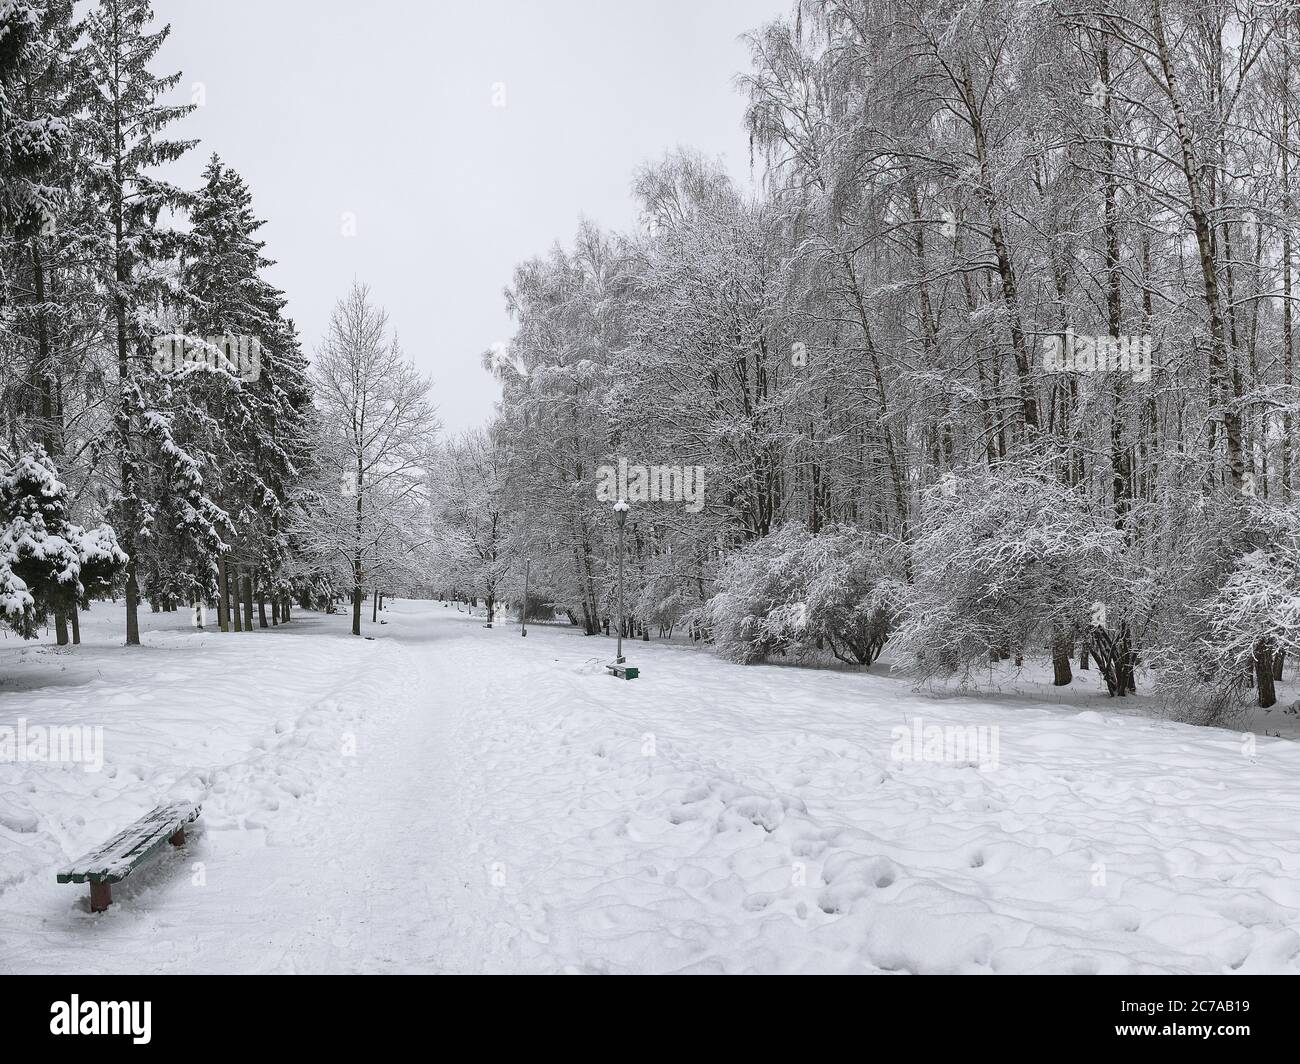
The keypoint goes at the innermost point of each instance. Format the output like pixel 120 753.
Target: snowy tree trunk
pixel 222 621
pixel 236 601
pixel 1225 381
pixel 124 415
pixel 132 606
pixel 76 629
pixel 1267 691
pixel 49 440
pixel 1001 252
pixel 1061 674
pixel 1288 350
pixel 223 594
pixel 1116 659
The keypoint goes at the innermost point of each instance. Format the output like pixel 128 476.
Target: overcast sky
pixel 386 109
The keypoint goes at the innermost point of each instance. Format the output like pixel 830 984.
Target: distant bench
pixel 128 850
pixel 624 672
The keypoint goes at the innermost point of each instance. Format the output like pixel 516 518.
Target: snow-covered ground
pixel 447 797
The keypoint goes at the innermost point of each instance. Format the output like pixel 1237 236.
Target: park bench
pixel 624 672
pixel 128 850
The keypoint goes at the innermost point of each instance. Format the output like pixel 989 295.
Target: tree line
pixel 162 435
pixel 998 361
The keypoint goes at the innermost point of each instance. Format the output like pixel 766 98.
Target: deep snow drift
pixel 447 797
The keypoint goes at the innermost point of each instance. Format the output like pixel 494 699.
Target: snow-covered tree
pixel 1006 566
pixel 248 413
pixel 801 592
pixel 1232 616
pixel 47 563
pixel 123 134
pixel 555 375
pixel 32 134
pixel 377 423
pixel 49 309
pixel 468 485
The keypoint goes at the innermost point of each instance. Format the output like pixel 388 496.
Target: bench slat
pixel 117 858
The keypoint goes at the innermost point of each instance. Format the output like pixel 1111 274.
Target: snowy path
pixel 314 848
pixel 511 807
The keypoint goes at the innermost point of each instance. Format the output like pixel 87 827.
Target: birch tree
pixel 377 425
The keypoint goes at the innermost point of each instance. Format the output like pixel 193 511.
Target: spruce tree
pixel 28 141
pixel 126 120
pixel 255 411
pixel 52 313
pixel 46 562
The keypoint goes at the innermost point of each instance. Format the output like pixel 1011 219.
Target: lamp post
pixel 523 610
pixel 620 518
pixel 528 562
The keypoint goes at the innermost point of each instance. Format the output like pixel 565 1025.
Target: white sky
pixel 384 108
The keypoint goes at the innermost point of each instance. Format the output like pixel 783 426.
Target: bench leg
pixel 178 839
pixel 101 896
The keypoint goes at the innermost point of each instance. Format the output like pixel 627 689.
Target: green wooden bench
pixel 128 850
pixel 624 672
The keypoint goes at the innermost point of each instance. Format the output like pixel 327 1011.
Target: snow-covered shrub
pixel 1228 643
pixel 666 595
pixel 46 562
pixel 853 594
pixel 798 592
pixel 749 615
pixel 1004 563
